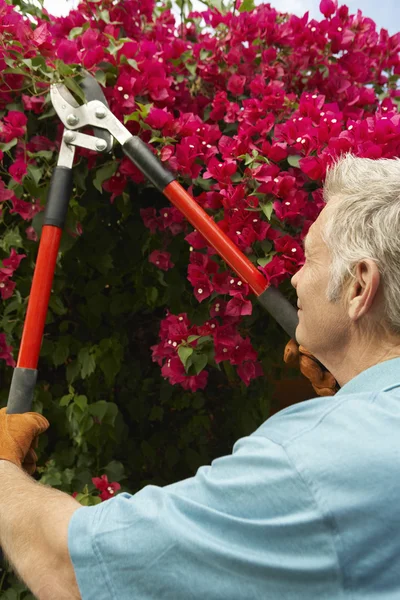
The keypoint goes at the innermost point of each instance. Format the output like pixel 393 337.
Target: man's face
pixel 324 327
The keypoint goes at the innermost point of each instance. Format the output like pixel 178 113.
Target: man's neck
pixel 354 361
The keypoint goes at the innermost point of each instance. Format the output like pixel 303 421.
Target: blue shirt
pixel 305 508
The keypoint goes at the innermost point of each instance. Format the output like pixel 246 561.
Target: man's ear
pixel 363 288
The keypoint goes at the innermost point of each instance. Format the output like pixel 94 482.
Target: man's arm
pixel 34 523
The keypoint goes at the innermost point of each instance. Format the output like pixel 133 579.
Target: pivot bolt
pixel 101 145
pixel 100 113
pixel 69 136
pixel 72 120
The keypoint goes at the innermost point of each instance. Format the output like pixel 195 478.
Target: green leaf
pixel 72 371
pixel 6 147
pixel 101 77
pixel 247 6
pixel 87 362
pixel 98 409
pixel 151 296
pixel 203 339
pixel 267 208
pixel 86 500
pixel 46 154
pixel 103 173
pixel 133 63
pixel 75 88
pixel 199 361
pixel 135 116
pixel 61 352
pixel 192 338
pixel 81 401
pixel 115 471
pixel 35 173
pixel 264 261
pixel 156 414
pixel 57 306
pixel 294 161
pixel 65 400
pixel 11 239
pixel 184 354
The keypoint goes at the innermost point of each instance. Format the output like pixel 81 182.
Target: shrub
pixel 155 357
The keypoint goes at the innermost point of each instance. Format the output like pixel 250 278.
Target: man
pixel 305 508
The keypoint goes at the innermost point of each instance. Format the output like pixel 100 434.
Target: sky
pixel 385 13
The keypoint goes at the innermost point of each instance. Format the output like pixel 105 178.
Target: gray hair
pixel 364 224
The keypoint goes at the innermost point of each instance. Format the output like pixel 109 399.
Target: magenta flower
pixel 6 351
pixel 18 170
pixel 5 194
pixel 26 210
pixel 34 103
pixel 6 285
pixel 13 261
pixel 328 7
pixel 222 172
pixel 236 84
pixel 14 126
pixel 106 488
pixel 162 260
pixel 67 51
pixel 238 307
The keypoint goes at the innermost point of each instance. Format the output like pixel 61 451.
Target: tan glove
pixel 19 437
pixel 322 380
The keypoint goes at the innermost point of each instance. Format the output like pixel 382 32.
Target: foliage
pixel 248 107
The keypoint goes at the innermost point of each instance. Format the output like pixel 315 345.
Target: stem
pixel 2 579
pixel 230 372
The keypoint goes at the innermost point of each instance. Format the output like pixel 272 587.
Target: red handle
pixel 39 297
pixel 216 237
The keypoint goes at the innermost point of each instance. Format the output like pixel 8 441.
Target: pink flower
pixel 220 171
pixel 158 118
pixel 275 271
pixel 107 489
pixel 18 170
pixel 249 370
pixel 150 219
pixel 33 103
pixel 27 210
pixel 238 307
pixel 5 194
pixel 67 51
pixel 161 260
pixel 6 351
pixel 13 260
pixel 31 234
pixel 6 285
pixel 328 7
pixel 202 286
pixel 236 84
pixel 14 126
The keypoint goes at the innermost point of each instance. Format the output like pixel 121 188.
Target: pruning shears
pixel 107 128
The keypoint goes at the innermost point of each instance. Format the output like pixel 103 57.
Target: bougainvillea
pixel 248 107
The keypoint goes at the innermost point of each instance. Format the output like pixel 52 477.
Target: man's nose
pixel 293 280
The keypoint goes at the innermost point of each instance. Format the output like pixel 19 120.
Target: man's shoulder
pixel 316 417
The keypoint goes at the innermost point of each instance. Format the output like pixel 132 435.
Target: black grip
pixel 22 388
pixel 143 158
pixel 280 308
pixel 58 197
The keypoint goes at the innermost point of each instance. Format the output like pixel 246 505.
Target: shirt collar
pixel 383 375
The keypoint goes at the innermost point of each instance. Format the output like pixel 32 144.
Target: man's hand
pixel 322 380
pixel 19 438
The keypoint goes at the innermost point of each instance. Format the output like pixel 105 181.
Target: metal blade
pixel 59 88
pixel 92 90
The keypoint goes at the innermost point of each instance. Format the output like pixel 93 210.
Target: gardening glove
pixel 19 436
pixel 322 380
